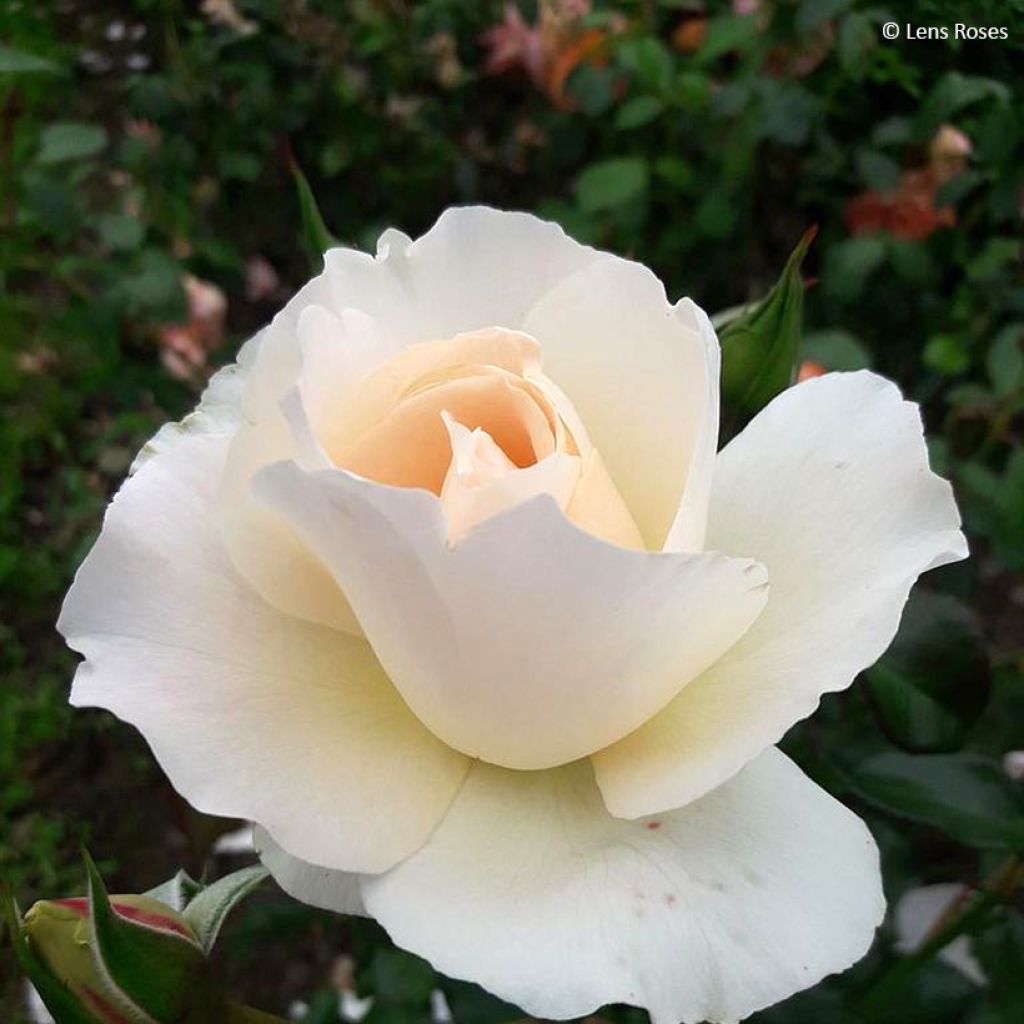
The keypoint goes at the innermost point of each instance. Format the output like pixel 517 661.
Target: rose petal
pixel 251 713
pixel 689 528
pixel 530 643
pixel 531 889
pixel 637 375
pixel 316 886
pixel 597 507
pixel 305 341
pixel 829 487
pixel 476 267
pixel 482 481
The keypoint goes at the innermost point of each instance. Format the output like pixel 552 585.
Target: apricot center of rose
pixel 474 421
pixel 410 446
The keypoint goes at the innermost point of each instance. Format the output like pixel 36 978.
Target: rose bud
pixel 86 964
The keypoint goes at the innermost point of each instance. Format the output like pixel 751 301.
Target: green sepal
pixel 209 907
pixel 315 235
pixel 63 1004
pixel 176 892
pixel 761 343
pixel 158 971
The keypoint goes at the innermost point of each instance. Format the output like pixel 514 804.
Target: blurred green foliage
pixel 144 139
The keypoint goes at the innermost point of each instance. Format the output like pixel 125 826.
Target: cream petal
pixel 250 712
pixel 829 487
pixel 530 888
pixel 637 375
pixel 597 507
pixel 337 351
pixel 530 643
pixel 307 343
pixel 318 887
pixel 482 481
pixel 476 267
pixel 689 528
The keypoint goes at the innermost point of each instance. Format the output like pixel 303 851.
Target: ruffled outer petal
pixel 252 713
pixel 530 643
pixel 476 267
pixel 530 888
pixel 829 487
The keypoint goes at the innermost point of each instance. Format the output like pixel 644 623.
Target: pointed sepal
pixel 760 345
pixel 176 892
pixel 315 234
pixel 146 950
pixel 208 909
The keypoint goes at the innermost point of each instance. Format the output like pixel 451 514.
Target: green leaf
pixel 933 683
pixel 471 1004
pixel 315 235
pixel 947 354
pixel 876 170
pixel 849 264
pixel 996 502
pixel 676 172
pixel 593 88
pixel 1005 360
pixel 952 93
pixel 209 908
pixel 812 14
pixel 57 998
pixel 402 977
pixel 1000 949
pixel 649 60
pixel 857 37
pixel 612 183
pixel 70 140
pixel 637 112
pixel 17 62
pixel 760 345
pixel 964 795
pixel 788 112
pixel 836 349
pixel 154 289
pixel 119 231
pixel 156 970
pixel 726 34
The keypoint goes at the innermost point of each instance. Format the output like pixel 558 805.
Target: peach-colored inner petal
pixel 410 447
pixel 597 507
pixel 363 405
pixel 475 421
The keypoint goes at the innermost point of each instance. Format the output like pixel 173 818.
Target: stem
pixel 961 918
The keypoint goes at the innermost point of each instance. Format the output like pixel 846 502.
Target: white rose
pixel 445 586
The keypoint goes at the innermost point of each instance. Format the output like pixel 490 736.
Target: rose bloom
pixel 445 586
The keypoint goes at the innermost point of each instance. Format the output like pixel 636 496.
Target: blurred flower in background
pixel 548 51
pixel 184 346
pixel 225 13
pixel 914 210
